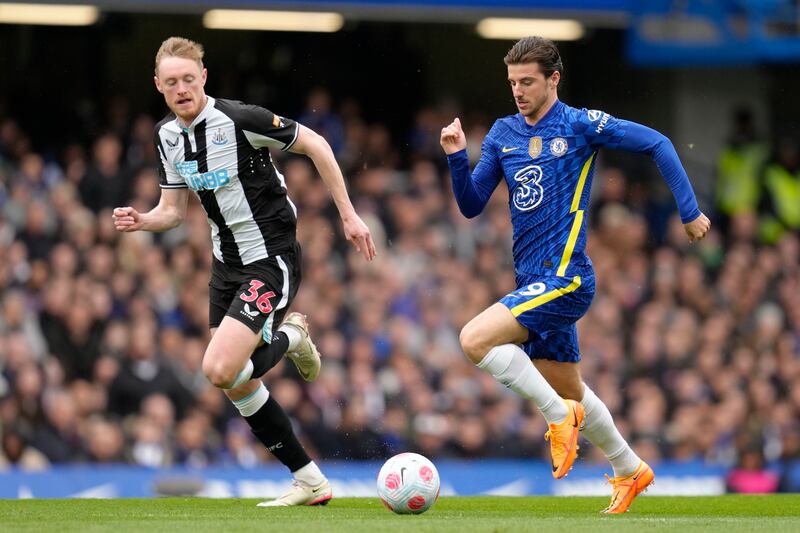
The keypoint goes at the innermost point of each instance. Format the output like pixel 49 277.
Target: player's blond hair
pixel 180 47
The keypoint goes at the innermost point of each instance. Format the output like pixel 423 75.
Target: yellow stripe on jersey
pixel 576 224
pixel 576 200
pixel 546 297
pixel 573 238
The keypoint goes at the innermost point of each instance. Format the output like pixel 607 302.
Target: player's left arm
pixel 634 137
pixel 315 146
pixel 263 128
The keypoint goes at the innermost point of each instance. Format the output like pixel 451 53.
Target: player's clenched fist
pixel 126 219
pixel 453 139
pixel 697 228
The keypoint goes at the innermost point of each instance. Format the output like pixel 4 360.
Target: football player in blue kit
pixel 546 154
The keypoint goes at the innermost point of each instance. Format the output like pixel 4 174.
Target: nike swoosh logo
pixel 314 491
pixel 506 150
pixel 574 417
pixel 403 475
pixel 554 466
pixel 636 476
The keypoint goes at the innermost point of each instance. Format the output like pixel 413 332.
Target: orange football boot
pixel 627 488
pixel 563 439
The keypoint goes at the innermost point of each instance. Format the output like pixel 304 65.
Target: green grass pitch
pixel 454 514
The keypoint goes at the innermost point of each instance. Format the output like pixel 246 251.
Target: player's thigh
pixel 228 351
pixel 254 298
pixel 493 327
pixel 246 389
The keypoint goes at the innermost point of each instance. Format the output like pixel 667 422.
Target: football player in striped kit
pixel 220 150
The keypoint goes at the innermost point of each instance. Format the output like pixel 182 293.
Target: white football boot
pixel 301 494
pixel 305 356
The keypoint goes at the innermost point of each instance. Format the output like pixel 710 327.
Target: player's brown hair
pixel 536 50
pixel 180 47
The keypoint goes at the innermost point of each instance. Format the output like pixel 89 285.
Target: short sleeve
pixel 168 177
pixel 261 126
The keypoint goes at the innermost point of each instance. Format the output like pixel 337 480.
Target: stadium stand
pixel 695 350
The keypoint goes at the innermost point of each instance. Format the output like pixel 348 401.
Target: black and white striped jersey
pixel 223 156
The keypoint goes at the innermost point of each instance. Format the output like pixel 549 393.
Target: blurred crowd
pixel 694 348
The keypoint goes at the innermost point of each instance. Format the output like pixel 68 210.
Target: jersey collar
pixel 200 117
pixel 557 105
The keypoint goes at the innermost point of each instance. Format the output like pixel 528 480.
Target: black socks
pixel 273 428
pixel 267 355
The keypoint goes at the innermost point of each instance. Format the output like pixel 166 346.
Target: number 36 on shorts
pixel 262 301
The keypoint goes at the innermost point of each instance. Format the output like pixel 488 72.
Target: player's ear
pixel 204 76
pixel 158 84
pixel 555 78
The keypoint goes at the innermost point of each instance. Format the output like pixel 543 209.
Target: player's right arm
pixel 472 191
pixel 171 208
pixel 170 212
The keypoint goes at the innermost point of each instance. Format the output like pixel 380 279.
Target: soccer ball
pixel 408 483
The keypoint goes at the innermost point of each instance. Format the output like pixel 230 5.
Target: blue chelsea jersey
pixel 548 169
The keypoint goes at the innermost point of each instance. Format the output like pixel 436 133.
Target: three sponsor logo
pixel 529 193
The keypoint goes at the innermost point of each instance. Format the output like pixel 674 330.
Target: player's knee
pixel 219 373
pixel 473 344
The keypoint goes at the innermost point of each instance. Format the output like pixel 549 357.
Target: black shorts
pixel 258 294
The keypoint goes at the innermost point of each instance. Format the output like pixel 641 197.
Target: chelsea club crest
pixel 558 146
